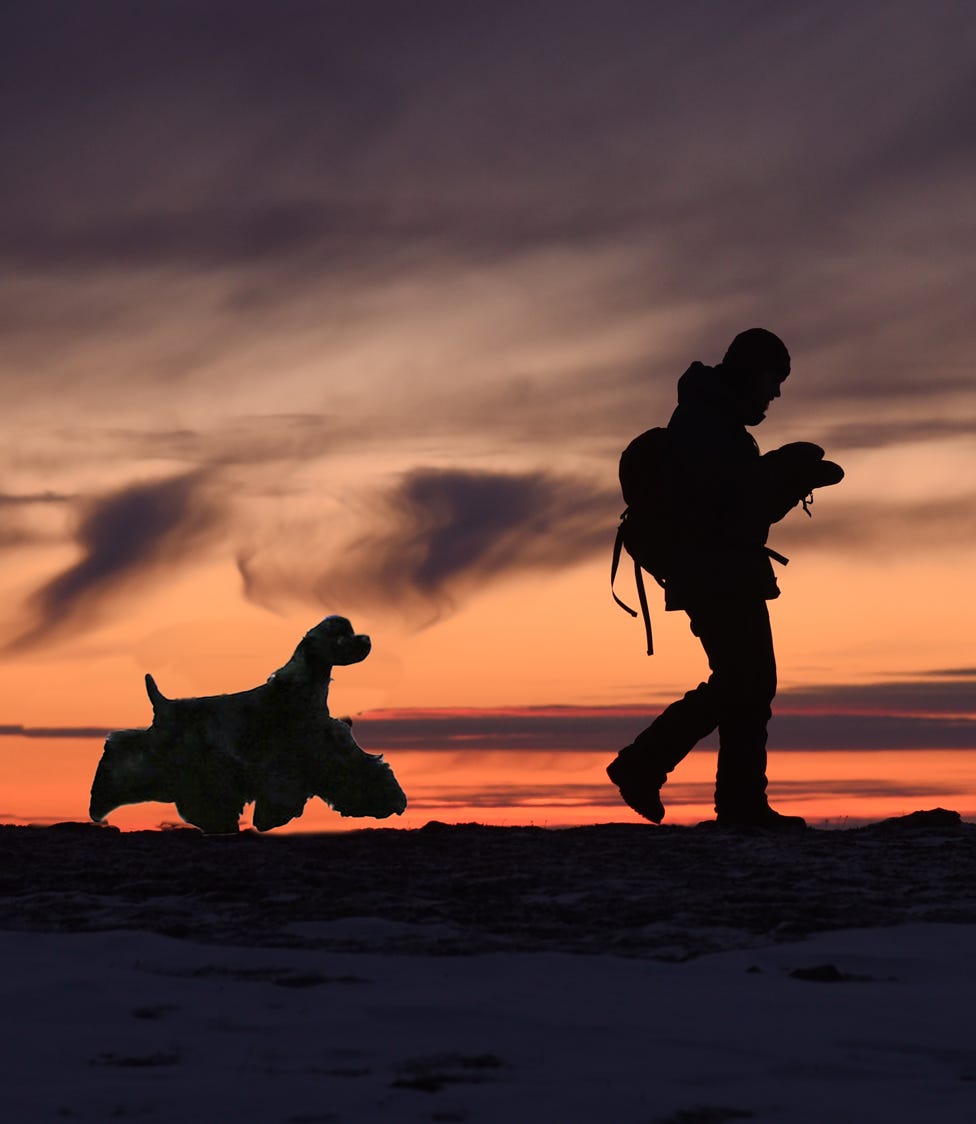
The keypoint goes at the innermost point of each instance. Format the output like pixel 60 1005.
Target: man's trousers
pixel 736 698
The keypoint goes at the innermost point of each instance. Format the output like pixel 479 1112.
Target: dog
pixel 276 745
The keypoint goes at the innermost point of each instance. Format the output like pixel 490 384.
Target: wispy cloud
pixel 561 794
pixel 882 528
pixel 873 433
pixel 14 499
pixel 122 537
pixel 439 532
pixel 939 714
pixel 20 522
pixel 320 153
pixel 357 215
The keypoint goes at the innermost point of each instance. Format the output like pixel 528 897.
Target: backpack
pixel 645 525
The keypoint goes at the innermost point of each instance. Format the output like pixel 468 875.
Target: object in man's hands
pixel 790 473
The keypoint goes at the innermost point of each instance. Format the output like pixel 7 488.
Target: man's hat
pixel 757 350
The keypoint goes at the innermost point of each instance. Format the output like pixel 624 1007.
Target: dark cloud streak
pixel 56 732
pixel 443 531
pixel 122 536
pixel 945 693
pixel 936 711
pixel 679 793
pixel 15 499
pixel 588 732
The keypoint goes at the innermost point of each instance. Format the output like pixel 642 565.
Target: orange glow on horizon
pixel 541 788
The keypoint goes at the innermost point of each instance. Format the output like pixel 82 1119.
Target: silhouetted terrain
pixel 668 892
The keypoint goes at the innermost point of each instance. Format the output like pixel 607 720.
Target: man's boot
pixel 757 815
pixel 639 781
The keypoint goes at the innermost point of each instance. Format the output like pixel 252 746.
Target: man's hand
pixel 792 472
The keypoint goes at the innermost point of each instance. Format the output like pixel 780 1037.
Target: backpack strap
pixel 638 581
pixel 615 562
pixel 645 612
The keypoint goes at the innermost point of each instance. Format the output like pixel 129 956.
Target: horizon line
pixel 568 728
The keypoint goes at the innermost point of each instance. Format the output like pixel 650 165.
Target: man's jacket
pixel 723 506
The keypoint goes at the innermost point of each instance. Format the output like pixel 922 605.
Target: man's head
pixel 754 367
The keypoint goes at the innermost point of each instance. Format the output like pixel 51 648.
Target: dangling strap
pixel 617 547
pixel 638 581
pixel 645 612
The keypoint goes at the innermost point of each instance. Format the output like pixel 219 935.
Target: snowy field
pixel 613 973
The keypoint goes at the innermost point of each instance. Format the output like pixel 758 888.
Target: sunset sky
pixel 351 307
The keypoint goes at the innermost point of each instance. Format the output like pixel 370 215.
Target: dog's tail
pixel 156 696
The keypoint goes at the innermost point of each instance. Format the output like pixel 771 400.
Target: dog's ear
pixel 351 781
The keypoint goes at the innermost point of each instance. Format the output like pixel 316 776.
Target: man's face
pixel 755 391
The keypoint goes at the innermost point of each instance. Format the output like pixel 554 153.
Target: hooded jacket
pixel 722 514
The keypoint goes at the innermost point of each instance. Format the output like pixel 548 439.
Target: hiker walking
pixel 700 510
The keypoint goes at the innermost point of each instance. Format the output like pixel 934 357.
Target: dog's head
pixel 330 643
pixel 333 642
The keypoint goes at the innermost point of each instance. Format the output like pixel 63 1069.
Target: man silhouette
pixel 725 497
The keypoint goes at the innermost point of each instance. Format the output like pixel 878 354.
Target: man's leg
pixel 678 729
pixel 640 769
pixel 738 641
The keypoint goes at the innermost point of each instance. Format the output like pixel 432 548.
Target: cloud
pixel 870 732
pixel 859 788
pixel 123 537
pixel 8 499
pixel 949 693
pixel 936 711
pixel 872 433
pixel 330 131
pixel 223 237
pixel 561 795
pixel 250 173
pixel 882 528
pixel 496 225
pixel 240 441
pixel 258 451
pixel 56 732
pixel 870 717
pixel 439 533
pixel 19 526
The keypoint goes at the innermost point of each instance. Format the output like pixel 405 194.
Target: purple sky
pixel 361 301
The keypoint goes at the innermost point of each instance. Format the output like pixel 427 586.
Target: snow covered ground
pixel 690 976
pixel 133 1025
